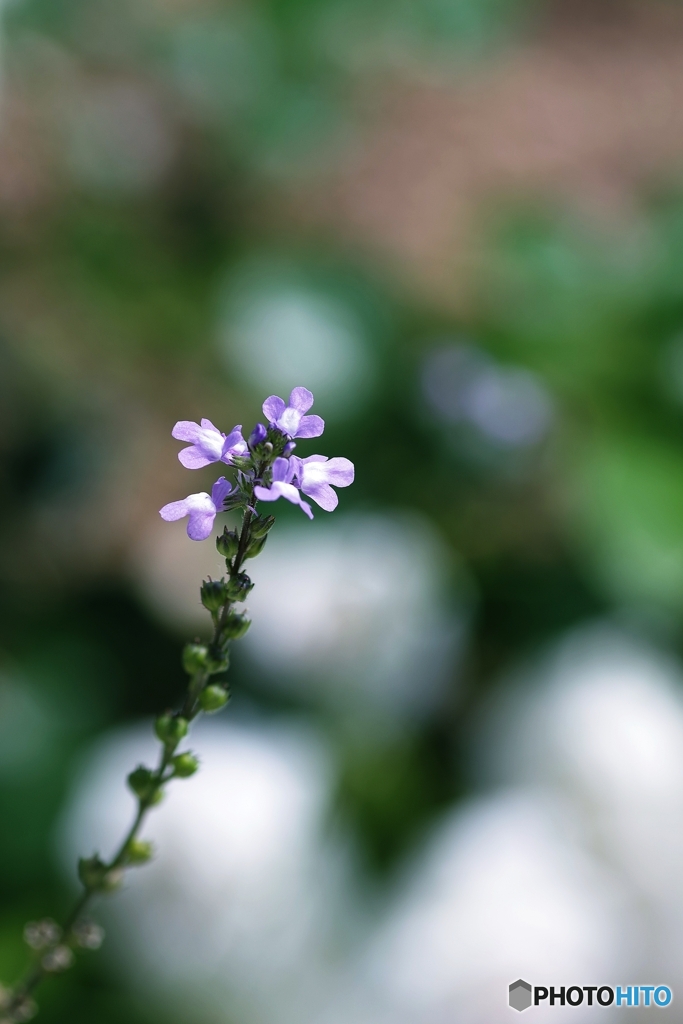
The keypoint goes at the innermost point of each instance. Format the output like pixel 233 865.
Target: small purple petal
pixel 295 468
pixel 340 472
pixel 194 458
pixel 220 491
pixel 316 468
pixel 175 510
pixel 315 475
pixel 322 494
pixel 200 525
pixel 310 426
pixel 273 408
pixel 289 447
pixel 301 399
pixel 234 444
pixel 266 493
pixel 278 490
pixel 283 471
pixel 186 430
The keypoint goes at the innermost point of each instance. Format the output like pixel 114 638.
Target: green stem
pixel 37 973
pixel 244 540
pixel 236 565
pixel 189 710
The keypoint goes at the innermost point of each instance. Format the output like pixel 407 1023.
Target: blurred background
pixel 454 753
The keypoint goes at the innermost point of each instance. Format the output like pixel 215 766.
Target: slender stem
pixel 188 710
pixel 37 972
pixel 236 564
pixel 77 910
pixel 244 538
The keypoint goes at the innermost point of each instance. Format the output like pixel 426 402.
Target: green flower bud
pixel 278 440
pixel 170 729
pixel 238 587
pixel 141 782
pixel 256 546
pixel 260 526
pixel 228 543
pixel 138 851
pixel 214 594
pixel 185 765
pixel 241 461
pixel 195 658
pixel 92 872
pixel 235 626
pixel 212 698
pixel 144 785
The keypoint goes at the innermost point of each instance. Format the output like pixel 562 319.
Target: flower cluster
pixel 264 470
pixel 265 467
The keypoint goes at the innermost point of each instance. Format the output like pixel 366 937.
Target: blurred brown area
pixel 586 114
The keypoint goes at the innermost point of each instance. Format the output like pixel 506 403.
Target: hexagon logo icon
pixel 520 995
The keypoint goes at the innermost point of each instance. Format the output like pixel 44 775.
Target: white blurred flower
pixel 357 612
pixel 573 876
pixel 242 898
pixel 507 405
pixel 278 333
pixel 602 725
pixel 499 892
pixel 606 726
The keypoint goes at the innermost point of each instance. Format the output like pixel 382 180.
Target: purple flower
pixel 290 419
pixel 202 509
pixel 282 486
pixel 208 443
pixel 314 476
pixel 317 474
